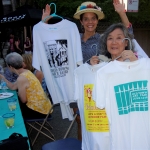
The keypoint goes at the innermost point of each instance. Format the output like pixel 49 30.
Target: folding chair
pixel 39 125
pixel 72 105
pixel 63 144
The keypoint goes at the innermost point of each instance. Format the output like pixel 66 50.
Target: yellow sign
pixel 95 119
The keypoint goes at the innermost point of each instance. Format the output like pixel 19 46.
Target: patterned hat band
pixel 88 6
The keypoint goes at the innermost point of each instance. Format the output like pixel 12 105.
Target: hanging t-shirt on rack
pixel 95 130
pixel 57 49
pixel 122 88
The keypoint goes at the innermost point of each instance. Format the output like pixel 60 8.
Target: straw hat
pixel 89 7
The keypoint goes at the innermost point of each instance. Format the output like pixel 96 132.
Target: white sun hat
pixel 89 7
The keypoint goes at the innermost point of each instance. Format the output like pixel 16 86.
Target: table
pixel 19 126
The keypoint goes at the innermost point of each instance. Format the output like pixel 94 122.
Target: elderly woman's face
pixel 115 43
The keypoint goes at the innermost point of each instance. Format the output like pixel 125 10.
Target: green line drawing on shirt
pixel 132 96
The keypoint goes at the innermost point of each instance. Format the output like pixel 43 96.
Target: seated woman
pixel 27 59
pixel 34 103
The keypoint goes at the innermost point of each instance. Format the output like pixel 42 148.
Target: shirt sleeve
pixel 130 29
pixel 76 85
pixel 36 58
pixel 99 95
pixel 139 51
pixel 77 47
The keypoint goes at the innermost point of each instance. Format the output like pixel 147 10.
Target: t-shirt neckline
pixel 53 27
pixel 127 66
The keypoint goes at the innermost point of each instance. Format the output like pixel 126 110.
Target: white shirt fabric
pixel 122 88
pixel 140 52
pixel 57 50
pixel 93 138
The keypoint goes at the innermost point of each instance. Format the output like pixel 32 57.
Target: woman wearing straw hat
pixel 89 14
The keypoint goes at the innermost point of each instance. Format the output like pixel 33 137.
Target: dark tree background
pixel 67 8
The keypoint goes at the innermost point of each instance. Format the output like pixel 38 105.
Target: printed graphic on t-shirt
pixel 132 96
pixel 95 119
pixel 57 55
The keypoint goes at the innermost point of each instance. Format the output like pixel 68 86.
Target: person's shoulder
pixel 96 37
pixel 39 73
pixel 22 79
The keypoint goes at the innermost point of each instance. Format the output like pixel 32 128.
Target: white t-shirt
pixel 137 48
pixel 122 88
pixel 57 49
pixel 94 122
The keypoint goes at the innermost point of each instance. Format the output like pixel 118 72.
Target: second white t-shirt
pixel 94 122
pixel 122 88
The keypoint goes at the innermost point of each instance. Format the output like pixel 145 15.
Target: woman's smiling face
pixel 116 43
pixel 89 21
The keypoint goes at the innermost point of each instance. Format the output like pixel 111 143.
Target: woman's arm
pixel 39 75
pixel 22 84
pixel 12 86
pixel 17 45
pixel 120 9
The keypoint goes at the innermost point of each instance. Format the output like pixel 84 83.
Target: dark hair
pixel 111 29
pixel 14 60
pixel 81 16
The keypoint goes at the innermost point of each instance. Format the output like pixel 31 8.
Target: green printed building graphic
pixel 131 97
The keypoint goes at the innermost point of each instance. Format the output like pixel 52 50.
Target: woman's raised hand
pixel 46 13
pixel 119 7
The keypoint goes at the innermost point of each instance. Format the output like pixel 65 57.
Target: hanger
pixel 130 45
pixel 54 14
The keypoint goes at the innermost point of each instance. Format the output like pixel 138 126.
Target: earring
pixel 82 28
pixel 96 30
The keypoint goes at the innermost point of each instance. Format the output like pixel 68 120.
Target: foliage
pixel 67 8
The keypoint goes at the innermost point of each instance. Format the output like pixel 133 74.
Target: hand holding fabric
pixel 94 60
pixel 128 54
